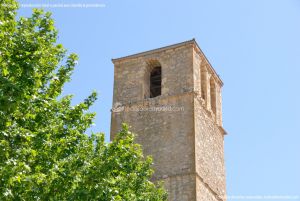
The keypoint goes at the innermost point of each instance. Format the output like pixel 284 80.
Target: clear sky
pixel 254 45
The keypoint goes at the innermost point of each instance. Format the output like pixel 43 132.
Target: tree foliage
pixel 44 151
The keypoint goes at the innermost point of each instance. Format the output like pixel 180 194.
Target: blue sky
pixel 254 46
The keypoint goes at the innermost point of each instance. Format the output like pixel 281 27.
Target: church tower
pixel 171 98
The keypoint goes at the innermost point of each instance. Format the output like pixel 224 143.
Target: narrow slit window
pixel 155 82
pixel 203 82
pixel 213 96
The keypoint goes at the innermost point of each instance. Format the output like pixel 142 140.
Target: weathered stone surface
pixel 209 150
pixel 181 128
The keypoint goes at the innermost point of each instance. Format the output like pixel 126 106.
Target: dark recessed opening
pixel 155 82
pixel 213 96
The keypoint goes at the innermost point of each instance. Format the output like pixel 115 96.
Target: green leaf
pixel 4 71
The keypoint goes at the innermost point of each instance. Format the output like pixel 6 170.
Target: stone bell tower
pixel 171 98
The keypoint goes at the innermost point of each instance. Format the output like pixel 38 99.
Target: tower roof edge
pixel 188 42
pixel 155 50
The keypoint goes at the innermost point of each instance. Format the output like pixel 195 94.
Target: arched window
pixel 213 98
pixel 203 73
pixel 155 82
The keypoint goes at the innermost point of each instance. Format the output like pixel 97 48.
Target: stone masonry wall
pixel 181 187
pixel 203 193
pixel 178 128
pixel 171 144
pixel 131 84
pixel 166 135
pixel 209 150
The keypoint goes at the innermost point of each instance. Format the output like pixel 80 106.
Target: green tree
pixel 44 151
